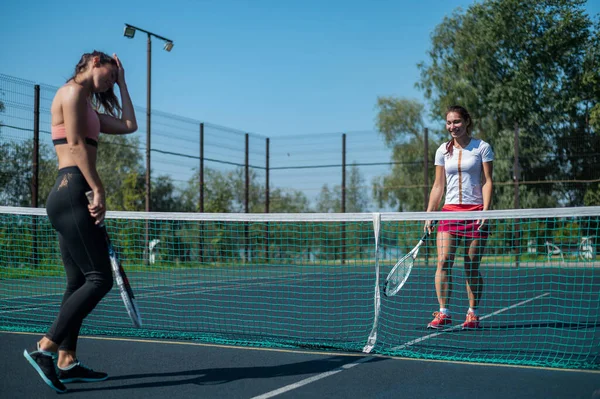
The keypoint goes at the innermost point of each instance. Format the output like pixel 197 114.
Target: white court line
pixel 312 379
pixel 366 359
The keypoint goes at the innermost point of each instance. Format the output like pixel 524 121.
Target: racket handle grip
pixel 90 197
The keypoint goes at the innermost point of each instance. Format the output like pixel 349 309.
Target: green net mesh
pixel 314 281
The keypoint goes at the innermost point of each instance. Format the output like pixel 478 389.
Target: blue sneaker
pixel 77 372
pixel 45 364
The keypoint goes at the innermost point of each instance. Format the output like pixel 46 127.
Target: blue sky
pixel 273 68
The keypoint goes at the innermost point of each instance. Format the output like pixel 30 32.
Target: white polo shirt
pixel 463 171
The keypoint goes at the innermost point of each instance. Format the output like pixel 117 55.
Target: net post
pixel 372 339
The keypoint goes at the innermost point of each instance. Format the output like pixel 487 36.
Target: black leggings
pixel 84 253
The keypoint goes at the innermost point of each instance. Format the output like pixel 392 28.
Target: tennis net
pixel 315 280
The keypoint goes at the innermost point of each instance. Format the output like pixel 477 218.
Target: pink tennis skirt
pixel 463 228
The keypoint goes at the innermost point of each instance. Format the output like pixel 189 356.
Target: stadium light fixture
pixel 129 31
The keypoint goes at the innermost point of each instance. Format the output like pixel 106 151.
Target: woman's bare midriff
pixel 65 158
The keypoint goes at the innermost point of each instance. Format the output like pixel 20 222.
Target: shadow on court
pixel 216 376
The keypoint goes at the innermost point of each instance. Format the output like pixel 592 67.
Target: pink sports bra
pixel 59 134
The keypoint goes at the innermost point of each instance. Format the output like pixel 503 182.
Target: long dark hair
pixel 464 115
pixel 107 101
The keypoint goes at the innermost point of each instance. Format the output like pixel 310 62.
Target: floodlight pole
pixel 130 33
pixel 168 47
pixel 148 119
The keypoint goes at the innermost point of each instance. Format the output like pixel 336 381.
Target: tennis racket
pixel 120 276
pixel 401 270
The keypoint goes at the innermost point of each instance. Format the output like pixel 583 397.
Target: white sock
pixel 445 311
pixel 474 311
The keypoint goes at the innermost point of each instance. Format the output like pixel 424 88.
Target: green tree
pixel 293 201
pixel 225 192
pixel 16 173
pixel 120 167
pixel 256 191
pixel 357 199
pixel 329 200
pixel 164 195
pixel 400 121
pixel 357 195
pixel 526 62
pixel 591 83
pixel 218 192
pixel 592 197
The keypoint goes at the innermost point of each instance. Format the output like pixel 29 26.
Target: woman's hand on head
pixel 120 71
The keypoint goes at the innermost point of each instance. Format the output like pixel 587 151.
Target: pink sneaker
pixel 472 322
pixel 440 320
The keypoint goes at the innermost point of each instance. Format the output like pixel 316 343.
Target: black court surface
pixel 177 369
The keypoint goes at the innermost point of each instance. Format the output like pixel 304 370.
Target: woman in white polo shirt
pixel 464 166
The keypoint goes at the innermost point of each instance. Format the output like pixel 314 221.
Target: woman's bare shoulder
pixel 70 89
pixel 68 94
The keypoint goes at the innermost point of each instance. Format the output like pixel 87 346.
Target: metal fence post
pixel 201 191
pixel 36 147
pixel 516 177
pixel 246 194
pixel 201 170
pixel 425 168
pixel 36 170
pixel 426 182
pixel 267 204
pixel 343 226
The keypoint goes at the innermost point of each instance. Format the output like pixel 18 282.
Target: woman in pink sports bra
pixel 85 106
pixel 464 166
